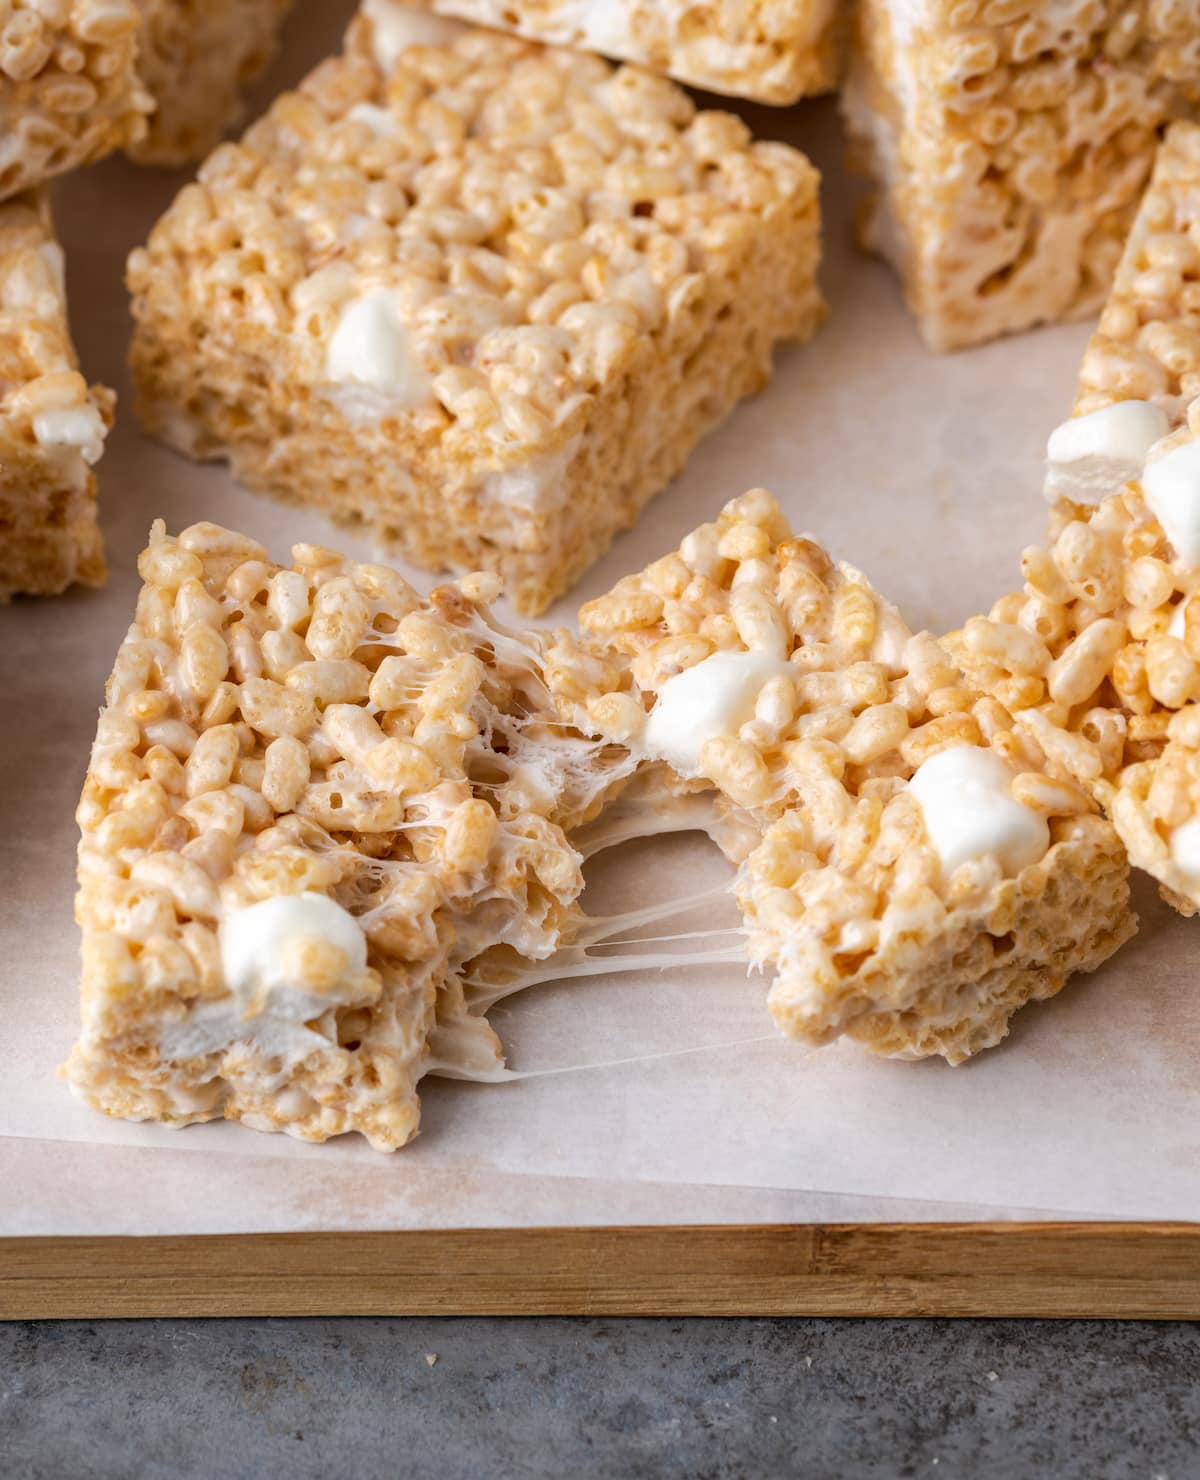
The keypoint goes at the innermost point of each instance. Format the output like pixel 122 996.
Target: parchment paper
pixel 652 1096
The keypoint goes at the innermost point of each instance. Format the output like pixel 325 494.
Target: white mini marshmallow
pixel 970 813
pixel 1089 457
pixel 79 428
pixel 258 946
pixel 371 350
pixel 1172 488
pixel 378 120
pixel 714 698
pixel 396 27
pixel 1184 845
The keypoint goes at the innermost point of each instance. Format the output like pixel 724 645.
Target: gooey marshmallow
pixel 1091 456
pixel 264 951
pixel 370 350
pixel 77 428
pixel 713 698
pixel 970 813
pixel 397 26
pixel 1172 488
pixel 1184 847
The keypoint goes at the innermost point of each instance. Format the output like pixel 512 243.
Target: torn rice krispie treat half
pixel 1098 656
pixel 312 799
pixel 52 424
pixel 196 58
pixel 483 298
pixel 908 870
pixel 771 51
pixel 1009 144
pixel 69 87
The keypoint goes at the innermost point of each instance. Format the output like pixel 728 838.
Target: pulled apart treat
pixel 69 88
pixel 1009 145
pixel 52 425
pixel 1098 657
pixel 908 868
pixel 196 58
pixel 483 297
pixel 313 798
pixel 772 51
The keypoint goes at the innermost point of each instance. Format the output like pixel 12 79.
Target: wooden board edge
pixel 1146 1270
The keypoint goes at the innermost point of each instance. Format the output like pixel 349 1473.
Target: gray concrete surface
pixel 705 1399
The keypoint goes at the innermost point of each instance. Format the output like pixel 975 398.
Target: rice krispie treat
pixel 69 88
pixel 1098 657
pixel 1147 344
pixel 773 51
pixel 52 425
pixel 1009 145
pixel 197 57
pixel 907 867
pixel 312 799
pixel 483 298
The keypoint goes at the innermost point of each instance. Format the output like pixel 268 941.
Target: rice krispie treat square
pixel 483 298
pixel 907 868
pixel 52 425
pixel 196 58
pixel 1098 656
pixel 312 799
pixel 1009 144
pixel 69 88
pixel 1147 344
pixel 772 51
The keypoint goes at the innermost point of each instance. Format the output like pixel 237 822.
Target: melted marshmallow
pixel 395 28
pixel 713 698
pixel 1089 457
pixel 378 120
pixel 1184 845
pixel 538 485
pixel 370 352
pixel 970 813
pixel 79 428
pixel 1172 488
pixel 259 948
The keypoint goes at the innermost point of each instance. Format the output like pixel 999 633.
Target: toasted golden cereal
pixel 907 866
pixel 52 425
pixel 1106 635
pixel 313 798
pixel 1009 144
pixel 196 58
pixel 482 297
pixel 772 51
pixel 69 88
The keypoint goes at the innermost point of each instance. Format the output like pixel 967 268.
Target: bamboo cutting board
pixel 1128 1270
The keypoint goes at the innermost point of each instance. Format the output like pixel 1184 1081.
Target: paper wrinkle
pixel 1092 1107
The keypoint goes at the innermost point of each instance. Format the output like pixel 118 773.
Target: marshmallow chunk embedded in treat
pixel 709 701
pixel 1172 488
pixel 1091 456
pixel 843 881
pixel 293 846
pixel 970 814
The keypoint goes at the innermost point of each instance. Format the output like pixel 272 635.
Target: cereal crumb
pixel 431 1358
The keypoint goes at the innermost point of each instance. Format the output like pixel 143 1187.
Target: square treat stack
pixel 312 799
pixel 772 51
pixel 196 57
pixel 69 88
pixel 483 298
pixel 907 868
pixel 52 426
pixel 1009 143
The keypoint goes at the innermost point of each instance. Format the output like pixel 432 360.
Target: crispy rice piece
pixel 483 298
pixel 771 51
pixel 837 706
pixel 313 798
pixel 1098 658
pixel 52 425
pixel 69 88
pixel 1009 145
pixel 196 58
